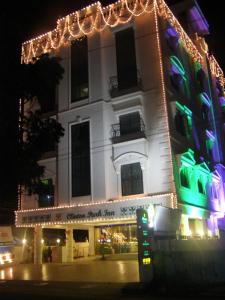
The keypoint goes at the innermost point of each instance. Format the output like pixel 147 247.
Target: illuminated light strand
pixel 216 69
pixel 86 21
pixel 86 221
pixel 95 15
pixel 93 203
pixel 165 12
pixel 98 18
pixel 173 197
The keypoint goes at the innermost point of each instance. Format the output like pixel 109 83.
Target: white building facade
pixel 116 104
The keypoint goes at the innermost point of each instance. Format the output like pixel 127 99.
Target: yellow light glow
pixel 210 233
pixel 24 241
pixel 201 233
pixel 95 18
pixel 146 261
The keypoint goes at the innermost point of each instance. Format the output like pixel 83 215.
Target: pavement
pixel 94 269
pixel 89 278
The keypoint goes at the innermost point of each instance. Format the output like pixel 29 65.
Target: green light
pixel 197 66
pixel 194 212
pixel 144 219
pixel 176 62
pixel 194 172
pixel 146 253
pixel 145 232
pixel 145 243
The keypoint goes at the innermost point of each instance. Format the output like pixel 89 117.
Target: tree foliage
pixel 38 132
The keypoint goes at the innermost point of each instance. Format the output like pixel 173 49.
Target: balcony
pixel 121 133
pixel 131 85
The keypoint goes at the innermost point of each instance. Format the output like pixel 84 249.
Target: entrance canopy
pixel 117 210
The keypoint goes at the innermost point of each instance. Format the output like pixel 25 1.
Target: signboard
pixel 166 221
pixel 145 246
pixel 6 234
pixel 123 209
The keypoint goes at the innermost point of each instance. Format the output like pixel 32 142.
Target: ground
pixel 90 278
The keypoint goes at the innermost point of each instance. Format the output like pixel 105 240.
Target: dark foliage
pixel 37 134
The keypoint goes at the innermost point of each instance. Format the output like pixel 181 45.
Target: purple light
pixel 172 37
pixel 198 21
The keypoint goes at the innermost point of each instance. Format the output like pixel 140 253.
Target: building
pixel 142 103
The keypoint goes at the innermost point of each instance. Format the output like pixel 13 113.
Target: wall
pixel 186 263
pixel 103 111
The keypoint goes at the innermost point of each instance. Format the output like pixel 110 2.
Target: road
pixel 37 290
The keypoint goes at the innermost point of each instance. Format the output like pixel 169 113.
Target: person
pixel 49 254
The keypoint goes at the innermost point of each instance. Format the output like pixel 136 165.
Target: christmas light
pixel 163 89
pixel 95 17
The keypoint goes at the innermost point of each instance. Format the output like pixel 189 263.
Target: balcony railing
pixel 120 134
pixel 115 90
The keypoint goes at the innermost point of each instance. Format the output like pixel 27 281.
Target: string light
pixel 93 203
pixel 100 219
pixel 95 17
pixel 173 197
pixel 84 22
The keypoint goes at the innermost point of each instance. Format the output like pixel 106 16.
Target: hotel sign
pixel 123 209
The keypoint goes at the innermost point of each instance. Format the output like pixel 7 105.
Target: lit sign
pixel 144 237
pixel 146 261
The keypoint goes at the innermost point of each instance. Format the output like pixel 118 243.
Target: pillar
pixel 69 244
pixel 91 234
pixel 37 245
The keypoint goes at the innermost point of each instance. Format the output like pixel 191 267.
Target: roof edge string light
pixel 92 18
pixel 165 12
pixel 95 17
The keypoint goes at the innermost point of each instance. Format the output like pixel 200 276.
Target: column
pixel 91 234
pixel 69 243
pixel 37 245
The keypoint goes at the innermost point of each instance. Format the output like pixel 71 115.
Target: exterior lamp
pixel 151 215
pixel 201 233
pixel 210 233
pixel 58 241
pixel 24 241
pixel 42 241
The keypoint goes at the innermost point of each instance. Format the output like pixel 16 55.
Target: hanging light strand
pixel 96 18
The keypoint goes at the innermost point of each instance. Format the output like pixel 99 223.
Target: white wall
pixel 102 112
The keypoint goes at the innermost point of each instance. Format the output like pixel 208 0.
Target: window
pixel 184 179
pixel 79 70
pixel 130 123
pixel 210 144
pixel 81 183
pixel 126 59
pixel 183 120
pixel 202 80
pixel 180 123
pixel 46 194
pixel 80 235
pixel 131 179
pixel 178 76
pixel 200 187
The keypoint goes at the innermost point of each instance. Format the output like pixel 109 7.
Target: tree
pixel 18 160
pixel 37 132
